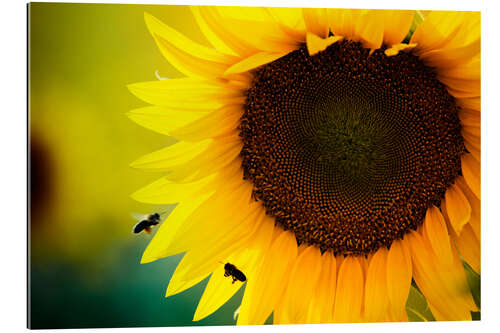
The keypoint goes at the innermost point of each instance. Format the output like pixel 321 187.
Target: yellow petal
pixel 467 71
pixel 370 29
pixel 254 61
pixel 399 275
pixel 473 150
pixel 473 103
pixel 163 191
pixel 163 120
pixel 396 48
pixel 473 87
pixel 218 219
pixel 212 124
pixel 438 29
pixel 316 44
pixel 457 208
pixel 190 58
pixel 342 22
pixel 264 291
pixel 290 21
pixel 435 230
pixel 321 306
pixel 221 152
pixel 220 288
pixel 299 292
pixel 200 159
pixel 187 93
pixel 376 297
pixel 443 284
pixel 349 293
pixel 469 247
pixel 199 262
pixel 469 117
pixel 219 32
pixel 471 130
pixel 475 203
pixel 159 245
pixel 449 58
pixel 168 157
pixel 397 24
pixel 217 292
pixel 471 170
pixel 463 94
pixel 316 21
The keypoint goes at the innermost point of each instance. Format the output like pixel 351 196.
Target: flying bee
pixel 235 273
pixel 146 222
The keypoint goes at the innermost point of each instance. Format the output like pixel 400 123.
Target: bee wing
pixel 139 216
pixel 236 313
pixel 163 210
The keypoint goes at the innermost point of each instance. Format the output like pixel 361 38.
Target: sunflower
pixel 331 155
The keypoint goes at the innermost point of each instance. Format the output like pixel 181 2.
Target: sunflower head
pixel 331 155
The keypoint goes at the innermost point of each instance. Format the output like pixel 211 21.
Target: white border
pixel 13 172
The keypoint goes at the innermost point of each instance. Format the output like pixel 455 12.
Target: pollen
pixel 348 149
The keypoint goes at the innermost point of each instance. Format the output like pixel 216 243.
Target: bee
pixel 146 222
pixel 235 273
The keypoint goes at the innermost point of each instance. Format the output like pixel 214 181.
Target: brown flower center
pixel 347 149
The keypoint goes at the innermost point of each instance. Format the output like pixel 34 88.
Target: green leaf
pixel 474 281
pixel 416 306
pixel 417 19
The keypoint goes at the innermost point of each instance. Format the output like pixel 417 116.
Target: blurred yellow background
pixel 85 268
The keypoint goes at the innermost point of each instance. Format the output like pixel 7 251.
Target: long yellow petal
pixel 159 245
pixel 180 41
pixel 300 289
pixel 436 232
pixel 188 162
pixel 213 124
pixel 449 58
pixel 170 156
pixel 163 120
pixel 472 87
pixel 342 22
pixel 376 297
pixel 475 203
pixel 264 291
pixel 457 208
pixel 163 191
pixel 469 247
pixel 254 61
pixel 397 24
pixel 199 262
pixel 471 170
pixel 399 275
pixel 316 21
pixel 469 117
pixel 214 216
pixel 321 306
pixel 190 58
pixel 468 71
pixel 220 288
pixel 350 291
pixel 438 29
pixel 444 286
pixel 168 240
pixel 188 93
pixel 370 29
pixel 219 32
pixel 473 103
pixel 290 21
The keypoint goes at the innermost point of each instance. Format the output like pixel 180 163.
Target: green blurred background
pixel 84 267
